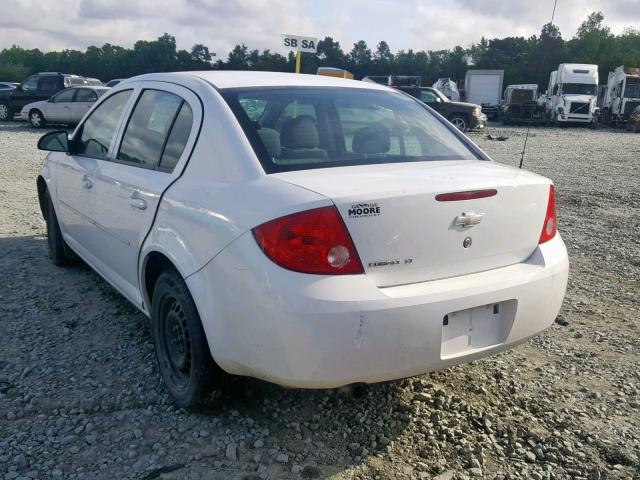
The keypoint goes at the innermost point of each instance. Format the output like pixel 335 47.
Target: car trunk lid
pixel 404 234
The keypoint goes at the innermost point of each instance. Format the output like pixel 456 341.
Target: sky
pixel 221 24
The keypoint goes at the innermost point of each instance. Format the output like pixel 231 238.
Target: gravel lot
pixel 80 395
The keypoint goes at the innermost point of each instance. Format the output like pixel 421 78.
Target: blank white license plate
pixel 478 327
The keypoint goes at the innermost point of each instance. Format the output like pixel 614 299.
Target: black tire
pixel 59 252
pixel 5 112
pixel 182 350
pixel 460 122
pixel 36 119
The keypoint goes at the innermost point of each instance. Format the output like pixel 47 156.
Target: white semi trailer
pixel 622 95
pixel 484 88
pixel 573 94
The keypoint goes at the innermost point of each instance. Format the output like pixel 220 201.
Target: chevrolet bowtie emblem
pixel 468 219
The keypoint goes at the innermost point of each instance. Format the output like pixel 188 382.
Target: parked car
pixel 114 82
pixel 34 88
pixel 66 107
pixel 633 123
pixel 306 230
pixel 8 85
pixel 93 82
pixel 465 116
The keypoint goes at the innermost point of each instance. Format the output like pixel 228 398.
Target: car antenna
pixel 544 58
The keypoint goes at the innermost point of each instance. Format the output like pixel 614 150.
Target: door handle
pixel 138 203
pixel 86 182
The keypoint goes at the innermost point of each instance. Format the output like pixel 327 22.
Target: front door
pixel 129 186
pixel 25 93
pixel 58 108
pixel 76 174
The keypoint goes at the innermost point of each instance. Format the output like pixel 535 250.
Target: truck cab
pixel 622 95
pixel 573 94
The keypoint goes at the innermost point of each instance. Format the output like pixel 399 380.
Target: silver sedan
pixel 67 106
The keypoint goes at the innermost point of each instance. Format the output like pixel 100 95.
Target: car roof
pixel 92 87
pixel 239 79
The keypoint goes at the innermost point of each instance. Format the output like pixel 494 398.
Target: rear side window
pixel 149 127
pixel 98 130
pixel 86 95
pixel 48 84
pixel 177 138
pixel 316 127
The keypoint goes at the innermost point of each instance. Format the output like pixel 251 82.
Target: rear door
pixel 85 99
pixel 151 150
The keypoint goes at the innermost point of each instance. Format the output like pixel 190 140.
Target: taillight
pixel 314 241
pixel 550 225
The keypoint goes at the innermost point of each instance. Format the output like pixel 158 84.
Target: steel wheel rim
pixel 4 112
pixel 175 343
pixel 459 123
pixel 36 119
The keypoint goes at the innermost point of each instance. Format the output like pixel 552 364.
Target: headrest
pixel 372 139
pixel 299 132
pixel 271 141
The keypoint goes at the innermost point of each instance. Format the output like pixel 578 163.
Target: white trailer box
pixel 622 95
pixel 573 94
pixel 484 88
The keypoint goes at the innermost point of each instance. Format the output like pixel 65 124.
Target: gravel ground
pixel 80 395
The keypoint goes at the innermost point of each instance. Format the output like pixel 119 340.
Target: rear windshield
pixel 296 128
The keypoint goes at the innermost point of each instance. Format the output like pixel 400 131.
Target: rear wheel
pixel 459 122
pixel 36 119
pixel 5 112
pixel 182 350
pixel 59 252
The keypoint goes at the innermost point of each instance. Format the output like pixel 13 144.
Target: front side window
pixel 86 95
pixel 64 96
pixel 98 130
pixel 148 127
pixel 311 127
pixel 30 84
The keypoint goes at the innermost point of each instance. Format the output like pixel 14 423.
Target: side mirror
pixel 19 87
pixel 57 141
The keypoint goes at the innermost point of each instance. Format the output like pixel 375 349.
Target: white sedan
pixel 66 107
pixel 306 230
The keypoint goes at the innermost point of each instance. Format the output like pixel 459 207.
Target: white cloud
pixel 439 25
pixel 221 24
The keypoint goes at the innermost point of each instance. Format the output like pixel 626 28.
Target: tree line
pixel 524 60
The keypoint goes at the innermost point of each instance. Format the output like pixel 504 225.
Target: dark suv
pixel 465 116
pixel 34 88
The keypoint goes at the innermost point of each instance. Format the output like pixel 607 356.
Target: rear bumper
pixel 321 332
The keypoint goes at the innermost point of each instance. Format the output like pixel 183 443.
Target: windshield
pixel 578 89
pixel 295 128
pixel 632 89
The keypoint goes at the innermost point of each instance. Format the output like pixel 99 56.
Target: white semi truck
pixel 573 94
pixel 622 95
pixel 484 88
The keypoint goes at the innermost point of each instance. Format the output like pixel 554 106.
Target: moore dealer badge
pixel 364 210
